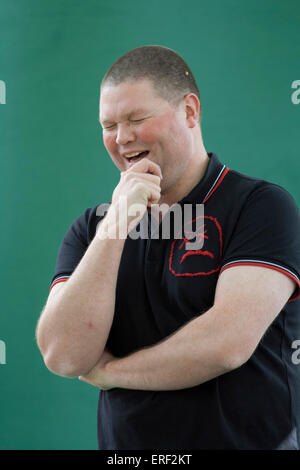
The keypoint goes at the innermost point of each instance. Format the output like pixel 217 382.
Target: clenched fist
pixel 138 188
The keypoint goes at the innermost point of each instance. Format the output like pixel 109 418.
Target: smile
pixel 136 156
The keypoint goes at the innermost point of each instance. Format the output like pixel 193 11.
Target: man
pixel 191 349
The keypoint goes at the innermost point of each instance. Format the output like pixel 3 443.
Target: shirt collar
pixel 213 176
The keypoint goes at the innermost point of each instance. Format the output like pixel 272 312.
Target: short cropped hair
pixel 170 75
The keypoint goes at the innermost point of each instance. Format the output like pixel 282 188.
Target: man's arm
pixel 75 323
pixel 247 300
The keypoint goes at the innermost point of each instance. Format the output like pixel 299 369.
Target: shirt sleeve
pixel 267 234
pixel 72 249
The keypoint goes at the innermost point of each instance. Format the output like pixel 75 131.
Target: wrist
pixel 112 374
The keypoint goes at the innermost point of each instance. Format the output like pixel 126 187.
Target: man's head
pixel 169 74
pixel 149 101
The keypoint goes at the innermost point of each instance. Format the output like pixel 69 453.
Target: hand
pixel 140 184
pixel 98 376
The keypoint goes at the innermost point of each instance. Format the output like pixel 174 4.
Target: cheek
pixel 109 142
pixel 147 134
pixel 154 130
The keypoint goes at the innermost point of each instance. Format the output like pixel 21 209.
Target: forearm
pixel 194 354
pixel 74 327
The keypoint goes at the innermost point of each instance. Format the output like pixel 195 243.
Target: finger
pixel 154 197
pixel 144 177
pixel 150 191
pixel 149 186
pixel 146 166
pixel 154 191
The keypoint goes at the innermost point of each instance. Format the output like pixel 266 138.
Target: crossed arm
pixel 247 300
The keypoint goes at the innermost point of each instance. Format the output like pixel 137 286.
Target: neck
pixel 187 181
pixel 191 177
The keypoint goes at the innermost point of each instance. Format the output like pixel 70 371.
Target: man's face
pixel 135 119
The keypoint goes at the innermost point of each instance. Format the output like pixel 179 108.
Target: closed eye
pixel 137 120
pixel 132 120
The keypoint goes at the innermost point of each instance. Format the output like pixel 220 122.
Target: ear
pixel 192 108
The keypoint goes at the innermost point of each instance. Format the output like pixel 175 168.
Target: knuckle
pixel 135 181
pixel 156 179
pixel 139 186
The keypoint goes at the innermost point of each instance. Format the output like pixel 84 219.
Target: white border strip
pixel 59 277
pixel 261 262
pixel 218 177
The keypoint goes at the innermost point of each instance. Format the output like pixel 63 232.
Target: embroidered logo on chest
pixel 198 262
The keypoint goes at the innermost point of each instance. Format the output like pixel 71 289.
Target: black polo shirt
pixel 161 287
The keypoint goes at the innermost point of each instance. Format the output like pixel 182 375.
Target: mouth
pixel 136 157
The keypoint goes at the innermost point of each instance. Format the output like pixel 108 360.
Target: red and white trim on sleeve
pixel 59 279
pixel 266 264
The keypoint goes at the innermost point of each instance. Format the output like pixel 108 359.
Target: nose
pixel 124 134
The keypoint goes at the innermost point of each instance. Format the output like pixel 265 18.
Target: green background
pixel 245 56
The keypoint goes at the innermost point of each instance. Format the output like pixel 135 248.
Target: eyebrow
pixel 135 111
